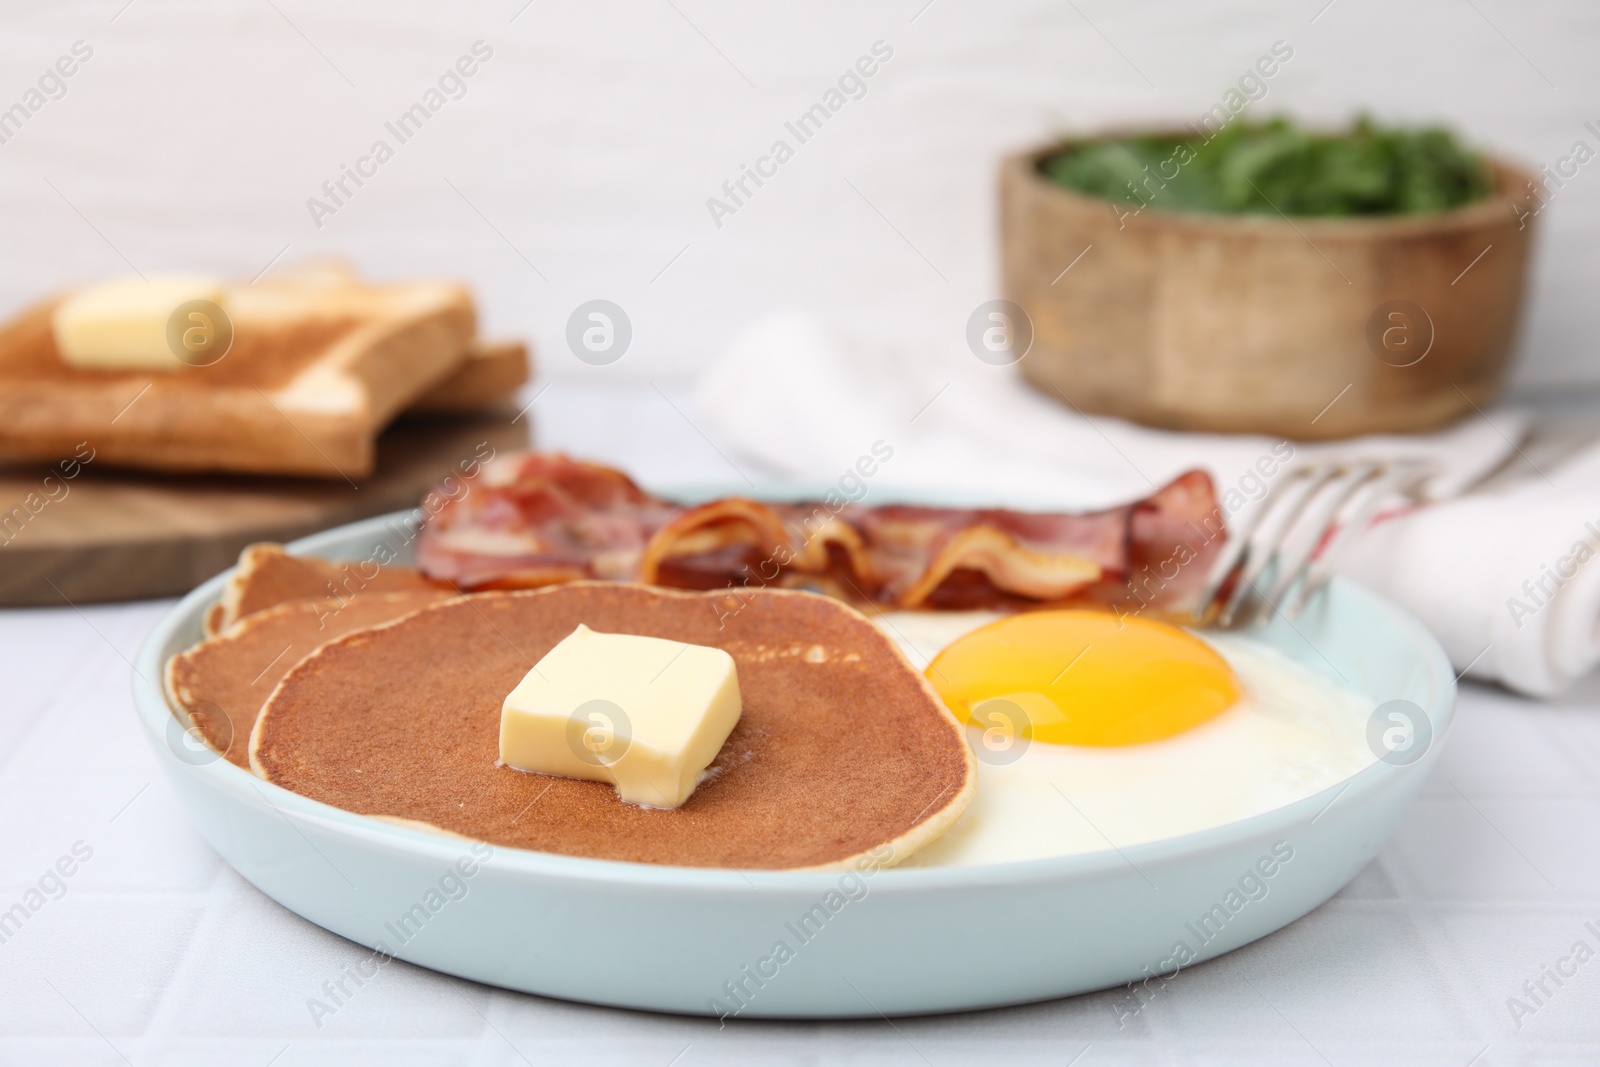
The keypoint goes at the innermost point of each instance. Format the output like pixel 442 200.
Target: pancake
pixel 843 747
pixel 221 683
pixel 267 576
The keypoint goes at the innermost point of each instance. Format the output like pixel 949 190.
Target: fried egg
pixel 1094 733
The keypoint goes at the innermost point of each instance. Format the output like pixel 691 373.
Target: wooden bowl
pixel 1299 327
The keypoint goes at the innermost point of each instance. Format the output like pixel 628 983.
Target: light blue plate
pixel 807 944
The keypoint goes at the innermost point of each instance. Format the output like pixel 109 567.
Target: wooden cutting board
pixel 123 535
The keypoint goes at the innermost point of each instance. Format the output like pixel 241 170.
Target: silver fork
pixel 1275 553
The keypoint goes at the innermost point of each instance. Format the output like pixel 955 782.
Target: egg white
pixel 1293 733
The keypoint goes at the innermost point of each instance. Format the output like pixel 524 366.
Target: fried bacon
pixel 540 518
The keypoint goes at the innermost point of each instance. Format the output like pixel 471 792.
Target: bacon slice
pixel 716 540
pixel 538 518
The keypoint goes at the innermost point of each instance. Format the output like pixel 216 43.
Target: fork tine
pixel 1316 521
pixel 1261 551
pixel 1402 477
pixel 1237 547
pixel 1274 554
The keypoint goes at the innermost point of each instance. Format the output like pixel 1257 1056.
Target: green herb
pixel 1279 167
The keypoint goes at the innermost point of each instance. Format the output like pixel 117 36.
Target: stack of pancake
pixel 386 702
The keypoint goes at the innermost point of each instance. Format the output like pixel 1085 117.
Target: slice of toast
pixel 317 367
pixel 490 375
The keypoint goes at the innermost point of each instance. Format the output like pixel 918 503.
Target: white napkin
pixel 1504 579
pixel 788 393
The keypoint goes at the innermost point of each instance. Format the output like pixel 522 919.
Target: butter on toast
pixel 317 367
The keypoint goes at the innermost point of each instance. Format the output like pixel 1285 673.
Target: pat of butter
pixel 644 714
pixel 126 324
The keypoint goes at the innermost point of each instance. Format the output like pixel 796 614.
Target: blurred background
pixel 578 160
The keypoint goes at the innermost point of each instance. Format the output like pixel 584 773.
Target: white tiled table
pixel 158 953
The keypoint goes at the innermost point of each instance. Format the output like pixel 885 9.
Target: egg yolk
pixel 1083 678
